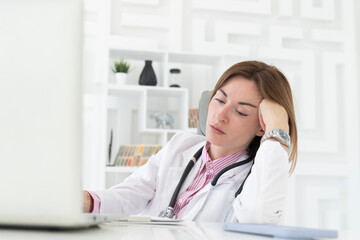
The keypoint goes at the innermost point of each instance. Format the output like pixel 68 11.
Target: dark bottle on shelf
pixel 147 76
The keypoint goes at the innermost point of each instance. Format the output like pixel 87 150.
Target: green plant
pixel 121 66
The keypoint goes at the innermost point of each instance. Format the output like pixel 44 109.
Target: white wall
pixel 356 213
pixel 312 42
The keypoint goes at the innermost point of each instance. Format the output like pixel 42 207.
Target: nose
pixel 222 115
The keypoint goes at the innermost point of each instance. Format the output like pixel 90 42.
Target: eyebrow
pixel 241 103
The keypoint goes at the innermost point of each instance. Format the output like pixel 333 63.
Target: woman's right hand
pixel 88 202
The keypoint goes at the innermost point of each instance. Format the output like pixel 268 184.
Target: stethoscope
pixel 169 211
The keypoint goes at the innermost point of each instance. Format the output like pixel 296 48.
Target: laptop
pixel 41 114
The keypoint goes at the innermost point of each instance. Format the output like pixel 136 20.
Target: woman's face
pixel 233 119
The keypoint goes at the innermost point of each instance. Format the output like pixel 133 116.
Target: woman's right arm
pixel 130 196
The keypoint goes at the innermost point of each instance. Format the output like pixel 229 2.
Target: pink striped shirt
pixel 96 202
pixel 208 170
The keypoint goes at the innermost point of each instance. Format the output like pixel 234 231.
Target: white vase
pixel 120 78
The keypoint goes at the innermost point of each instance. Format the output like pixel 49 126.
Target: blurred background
pixel 315 43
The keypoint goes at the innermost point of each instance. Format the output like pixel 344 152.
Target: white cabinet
pixel 128 107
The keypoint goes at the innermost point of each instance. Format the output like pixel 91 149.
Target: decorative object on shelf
pixel 173 79
pixel 135 155
pixel 110 146
pixel 193 117
pixel 121 69
pixel 163 120
pixel 147 76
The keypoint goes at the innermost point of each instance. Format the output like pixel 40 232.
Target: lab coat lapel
pixel 235 171
pixel 187 155
pixel 199 199
pixel 223 179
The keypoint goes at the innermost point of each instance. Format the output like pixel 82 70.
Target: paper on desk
pixel 144 219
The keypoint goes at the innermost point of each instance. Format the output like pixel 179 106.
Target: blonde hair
pixel 272 85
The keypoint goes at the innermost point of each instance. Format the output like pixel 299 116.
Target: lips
pixel 216 129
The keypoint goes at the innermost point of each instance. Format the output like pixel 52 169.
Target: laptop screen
pixel 40 110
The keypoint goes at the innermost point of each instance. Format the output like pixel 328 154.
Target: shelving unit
pixel 139 102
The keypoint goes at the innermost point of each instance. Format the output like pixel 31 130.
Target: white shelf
pixel 153 89
pixel 160 131
pixel 124 90
pixel 167 91
pixel 116 169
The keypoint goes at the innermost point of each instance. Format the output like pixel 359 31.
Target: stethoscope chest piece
pixel 168 213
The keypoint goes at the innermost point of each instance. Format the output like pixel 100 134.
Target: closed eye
pixel 242 114
pixel 220 101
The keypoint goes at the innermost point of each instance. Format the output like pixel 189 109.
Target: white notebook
pixel 144 219
pixel 273 230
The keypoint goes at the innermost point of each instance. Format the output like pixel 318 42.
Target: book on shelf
pixel 193 117
pixel 135 155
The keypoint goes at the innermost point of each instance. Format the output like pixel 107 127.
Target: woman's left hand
pixel 88 202
pixel 273 115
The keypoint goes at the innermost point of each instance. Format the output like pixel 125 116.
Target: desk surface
pixel 193 231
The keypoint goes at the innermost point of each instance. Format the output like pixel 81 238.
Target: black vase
pixel 147 76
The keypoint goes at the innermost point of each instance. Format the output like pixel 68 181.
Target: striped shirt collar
pixel 215 166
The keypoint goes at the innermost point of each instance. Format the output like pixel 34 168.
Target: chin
pixel 215 140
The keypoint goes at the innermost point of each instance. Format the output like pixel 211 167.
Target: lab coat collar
pixel 229 174
pixel 188 154
pixel 237 170
pixel 225 178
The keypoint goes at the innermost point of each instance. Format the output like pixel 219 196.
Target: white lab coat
pixel 149 189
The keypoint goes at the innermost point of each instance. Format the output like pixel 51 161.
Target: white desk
pixel 191 231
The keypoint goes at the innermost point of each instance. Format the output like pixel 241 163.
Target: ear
pixel 260 133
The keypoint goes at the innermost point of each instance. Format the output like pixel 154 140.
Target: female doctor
pixel 251 123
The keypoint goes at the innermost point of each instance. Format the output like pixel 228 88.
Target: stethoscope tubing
pixel 216 178
pixel 224 170
pixel 183 177
pixel 186 172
